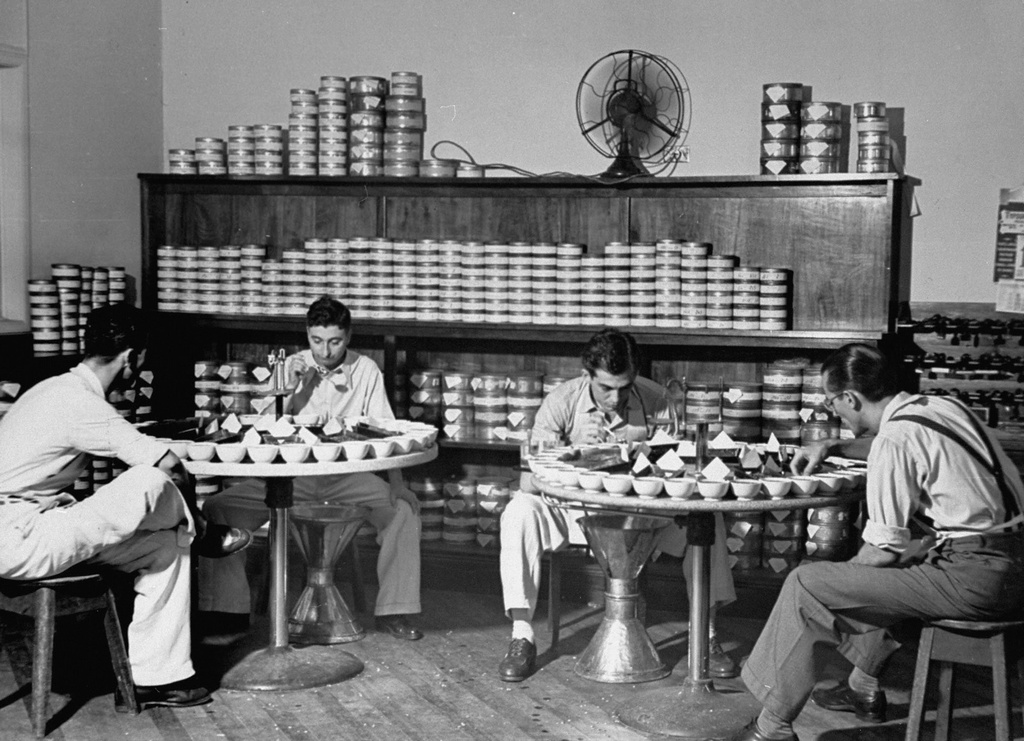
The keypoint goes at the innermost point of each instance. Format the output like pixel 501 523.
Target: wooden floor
pixel 443 687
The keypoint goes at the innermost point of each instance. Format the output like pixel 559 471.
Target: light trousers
pixel 223 586
pixel 529 527
pixel 138 523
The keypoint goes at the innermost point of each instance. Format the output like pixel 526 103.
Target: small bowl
pixel 803 486
pixel 200 451
pixel 294 452
pixel 648 487
pixel 777 487
pixel 305 420
pixel 829 484
pixel 355 450
pixel 403 444
pixel 179 448
pixel 381 448
pixel 744 488
pixel 592 480
pixel 326 452
pixel 231 452
pixel 618 484
pixel 680 488
pixel 713 488
pixel 568 476
pixel 262 453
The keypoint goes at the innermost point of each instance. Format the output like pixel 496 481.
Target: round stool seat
pixel 975 626
pixel 59 580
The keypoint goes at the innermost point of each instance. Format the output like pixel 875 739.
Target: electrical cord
pixel 669 162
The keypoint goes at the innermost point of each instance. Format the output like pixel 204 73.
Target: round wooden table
pixel 279 666
pixel 696 710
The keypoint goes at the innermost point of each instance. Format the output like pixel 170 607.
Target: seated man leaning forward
pixel 942 540
pixel 331 381
pixel 610 400
pixel 142 523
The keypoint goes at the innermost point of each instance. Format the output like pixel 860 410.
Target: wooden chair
pixel 952 642
pixel 67 594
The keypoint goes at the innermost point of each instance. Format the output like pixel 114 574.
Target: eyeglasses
pixel 829 402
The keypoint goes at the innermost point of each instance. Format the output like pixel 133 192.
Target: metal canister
pixel 869 109
pixel 438 168
pixel 779 92
pixel 368 84
pixel 819 111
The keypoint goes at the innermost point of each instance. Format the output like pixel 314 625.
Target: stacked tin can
pixel 425 401
pixel 44 317
pixel 744 533
pixel 872 137
pixel 382 294
pixel 496 278
pixel 428 285
pixel 592 304
pixel 746 298
pixel 268 153
pixel 492 497
pixel 703 406
pixel 250 278
pixel 460 511
pixel 820 137
pixel 404 124
pixel 241 150
pixel 617 287
pixel 775 299
pixel 303 122
pixel 181 162
pixel 450 280
pixel 236 387
pixel 830 533
pixel 818 422
pixel 520 283
pixel 525 393
pixel 143 388
pixel 366 98
pixel 780 403
pixel 569 298
pixel 405 282
pixel 332 126
pixel 785 535
pixel 490 406
pixel 780 127
pixel 667 276
pixel 210 156
pixel 429 490
pixel 474 276
pixel 643 275
pixel 544 280
pixel 68 278
pixel 693 284
pixel 208 280
pixel 721 274
pixel 294 296
pixel 101 286
pixel 207 388
pixel 741 410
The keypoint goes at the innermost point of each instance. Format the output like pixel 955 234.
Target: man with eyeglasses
pixel 942 540
pixel 609 401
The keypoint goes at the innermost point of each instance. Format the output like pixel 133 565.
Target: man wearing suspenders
pixel 942 540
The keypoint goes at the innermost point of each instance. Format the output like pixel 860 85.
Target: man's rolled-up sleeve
pixel 893 495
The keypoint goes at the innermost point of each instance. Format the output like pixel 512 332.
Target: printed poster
pixel 1009 262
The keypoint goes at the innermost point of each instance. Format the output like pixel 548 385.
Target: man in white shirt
pixel 331 381
pixel 143 522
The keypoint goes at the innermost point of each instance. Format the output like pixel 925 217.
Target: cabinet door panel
pixel 592 221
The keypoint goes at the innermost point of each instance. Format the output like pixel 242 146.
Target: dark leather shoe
pixel 720 664
pixel 185 693
pixel 398 626
pixel 518 662
pixel 869 706
pixel 222 540
pixel 751 733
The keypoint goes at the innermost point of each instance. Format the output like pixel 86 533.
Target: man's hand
pixel 408 496
pixel 808 458
pixel 594 429
pixel 870 555
pixel 294 369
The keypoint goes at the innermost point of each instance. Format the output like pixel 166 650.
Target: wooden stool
pixel 46 599
pixel 952 642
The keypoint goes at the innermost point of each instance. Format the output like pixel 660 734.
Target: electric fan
pixel 633 107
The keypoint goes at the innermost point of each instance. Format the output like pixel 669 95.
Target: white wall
pixel 94 123
pixel 500 78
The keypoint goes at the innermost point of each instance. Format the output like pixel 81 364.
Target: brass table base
pixel 694 711
pixel 287 668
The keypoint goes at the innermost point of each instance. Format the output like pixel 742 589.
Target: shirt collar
pixel 898 401
pixel 339 376
pixel 92 381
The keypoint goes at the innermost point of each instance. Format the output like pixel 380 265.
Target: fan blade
pixel 657 123
pixel 597 125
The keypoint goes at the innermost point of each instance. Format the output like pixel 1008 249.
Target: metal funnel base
pixel 696 711
pixel 288 668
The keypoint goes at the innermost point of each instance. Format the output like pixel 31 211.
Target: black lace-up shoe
pixel 869 706
pixel 518 662
pixel 752 733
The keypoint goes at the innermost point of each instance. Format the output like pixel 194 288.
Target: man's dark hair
pixel 112 329
pixel 612 351
pixel 329 312
pixel 862 368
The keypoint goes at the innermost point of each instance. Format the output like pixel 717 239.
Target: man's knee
pixel 145 478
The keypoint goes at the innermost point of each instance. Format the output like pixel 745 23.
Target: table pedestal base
pixel 286 668
pixel 694 711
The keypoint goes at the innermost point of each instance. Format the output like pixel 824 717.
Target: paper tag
pixel 740 528
pixel 282 428
pixel 455 505
pixel 452 415
pixel 716 470
pixel 771 467
pixel 687 449
pixel 734 544
pixel 147 391
pixel 489 506
pixel 778 529
pixel 670 462
pixel 805 413
pixel 261 404
pixel 224 371
pixel 212 427
pixel 516 418
pixel 261 374
pixel 11 389
pixel 484 539
pixel 202 400
pixel 452 430
pixel 333 426
pixel 778 565
pixel 734 395
pixel 146 375
pixel 307 437
pixel 812 529
pixel 501 433
pixel 417 380
pixel 642 464
pixel 252 437
pixel 722 440
pixel 129 395
pixel 485 523
pixel 661 438
pixel 231 424
pixel 198 369
pixel 773 445
pixel 418 397
pixel 415 412
pixel 750 459
pixel 810 547
pixel 263 424
pixel 454 382
pixel 779 514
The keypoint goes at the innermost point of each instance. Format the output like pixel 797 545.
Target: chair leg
pixel 124 697
pixel 554 597
pixel 1000 682
pixel 42 659
pixel 356 579
pixel 915 715
pixel 944 713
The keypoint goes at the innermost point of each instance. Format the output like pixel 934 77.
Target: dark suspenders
pixel 995 468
